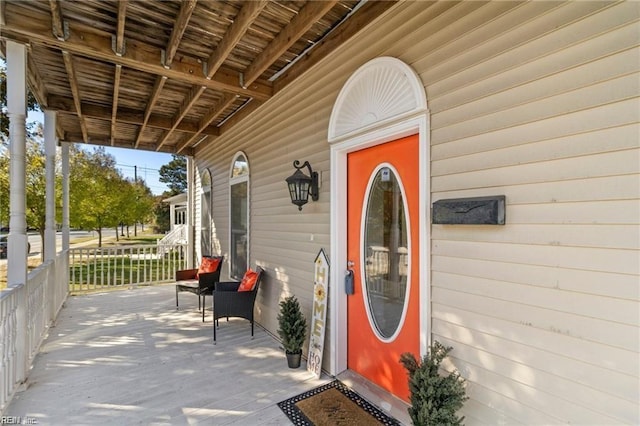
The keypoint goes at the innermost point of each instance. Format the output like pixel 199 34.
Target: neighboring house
pixel 536 102
pixel 177 210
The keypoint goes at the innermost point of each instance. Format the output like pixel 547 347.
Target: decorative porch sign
pixel 319 313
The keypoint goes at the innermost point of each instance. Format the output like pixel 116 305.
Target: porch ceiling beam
pixel 139 56
pixel 249 12
pixel 362 17
pixel 122 16
pixel 66 105
pixel 155 94
pixel 238 28
pixel 73 83
pixel 300 24
pixel 186 9
pixel 57 23
pixel 104 140
pixel 114 104
pixel 215 112
pixel 187 104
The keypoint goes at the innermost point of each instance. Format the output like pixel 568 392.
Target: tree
pixel 32 103
pixel 174 174
pixel 35 182
pixel 95 189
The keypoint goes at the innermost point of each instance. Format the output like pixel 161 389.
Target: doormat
pixel 333 404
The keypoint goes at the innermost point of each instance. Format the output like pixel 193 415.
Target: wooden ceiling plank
pixel 35 82
pixel 240 115
pixel 57 23
pixel 114 103
pixel 187 104
pixel 249 12
pixel 122 17
pixel 215 112
pixel 73 83
pixel 155 94
pixel 186 9
pixel 138 56
pixel 362 17
pixel 310 13
pixel 65 105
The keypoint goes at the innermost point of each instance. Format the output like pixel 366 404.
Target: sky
pixel 148 162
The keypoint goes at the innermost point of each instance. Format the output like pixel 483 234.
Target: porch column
pixel 65 195
pixel 17 111
pixel 190 210
pixel 17 240
pixel 50 202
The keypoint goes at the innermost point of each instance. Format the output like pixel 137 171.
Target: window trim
pixel 204 190
pixel 233 180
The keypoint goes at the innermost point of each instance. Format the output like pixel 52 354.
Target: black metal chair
pixel 201 284
pixel 229 302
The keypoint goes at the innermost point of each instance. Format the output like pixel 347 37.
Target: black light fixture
pixel 301 185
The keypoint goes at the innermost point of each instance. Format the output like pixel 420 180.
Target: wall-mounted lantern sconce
pixel 301 185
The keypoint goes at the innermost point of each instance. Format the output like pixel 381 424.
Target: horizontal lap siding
pixel 538 101
pixel 283 240
pixel 540 104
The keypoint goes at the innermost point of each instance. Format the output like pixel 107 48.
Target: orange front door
pixel 382 243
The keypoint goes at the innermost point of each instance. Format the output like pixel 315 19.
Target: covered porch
pixel 129 357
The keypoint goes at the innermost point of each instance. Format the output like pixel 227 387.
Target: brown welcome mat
pixel 333 404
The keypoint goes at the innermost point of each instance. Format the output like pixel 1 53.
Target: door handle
pixel 348 282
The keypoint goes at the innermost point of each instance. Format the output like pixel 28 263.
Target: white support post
pixel 17 111
pixel 65 196
pixel 50 202
pixel 17 251
pixel 190 212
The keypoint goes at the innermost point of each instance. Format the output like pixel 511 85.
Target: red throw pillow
pixel 208 264
pixel 248 281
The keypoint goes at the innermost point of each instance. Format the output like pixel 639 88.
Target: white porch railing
pixel 26 312
pixel 95 268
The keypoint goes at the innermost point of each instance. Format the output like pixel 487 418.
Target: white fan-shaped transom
pixel 381 90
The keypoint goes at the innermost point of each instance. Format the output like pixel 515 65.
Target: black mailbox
pixel 470 211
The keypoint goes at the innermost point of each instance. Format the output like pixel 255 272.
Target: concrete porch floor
pixel 128 357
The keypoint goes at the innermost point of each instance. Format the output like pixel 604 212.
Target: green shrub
pixel 435 399
pixel 292 325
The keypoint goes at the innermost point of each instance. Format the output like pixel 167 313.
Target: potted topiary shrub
pixel 435 399
pixel 292 329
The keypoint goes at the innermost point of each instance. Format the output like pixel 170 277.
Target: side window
pixel 205 213
pixel 239 215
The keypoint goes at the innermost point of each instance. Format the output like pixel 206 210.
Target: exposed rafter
pixel 142 57
pixel 299 25
pixel 134 74
pixel 187 104
pixel 114 104
pixel 57 23
pixel 122 17
pixel 155 94
pixel 212 115
pixel 186 9
pixel 250 10
pixel 73 83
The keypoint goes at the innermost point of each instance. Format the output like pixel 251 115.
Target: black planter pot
pixel 293 359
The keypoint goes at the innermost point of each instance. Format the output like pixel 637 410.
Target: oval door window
pixel 385 252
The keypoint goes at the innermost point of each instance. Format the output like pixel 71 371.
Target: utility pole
pixel 135 181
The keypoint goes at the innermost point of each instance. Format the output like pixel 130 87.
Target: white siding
pixel 538 101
